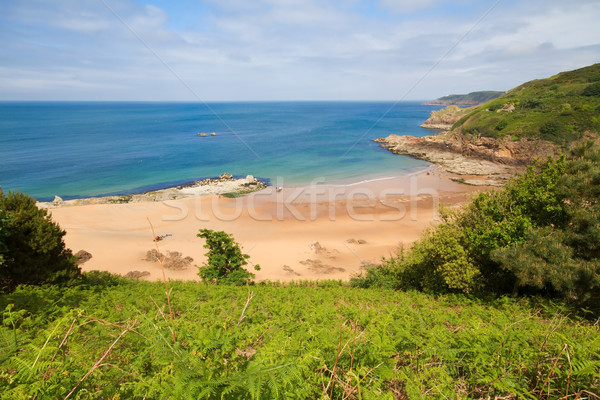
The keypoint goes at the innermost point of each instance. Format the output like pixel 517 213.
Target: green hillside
pixel 558 109
pixel 473 98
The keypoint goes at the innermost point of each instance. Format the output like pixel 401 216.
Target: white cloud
pixel 268 49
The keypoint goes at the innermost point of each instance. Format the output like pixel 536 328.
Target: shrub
pixel 553 129
pixel 501 124
pixel 35 252
pixel 592 90
pixel 540 235
pixel 439 262
pixel 225 260
pixel 533 103
pixel 495 106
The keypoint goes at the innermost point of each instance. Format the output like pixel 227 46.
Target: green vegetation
pixel 539 235
pixel 472 98
pixel 434 321
pixel 224 260
pixel 305 341
pixel 31 245
pixel 559 109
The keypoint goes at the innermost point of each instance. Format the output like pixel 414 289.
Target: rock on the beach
pixel 171 260
pixel 136 274
pixel 226 177
pixel 57 201
pixel 82 256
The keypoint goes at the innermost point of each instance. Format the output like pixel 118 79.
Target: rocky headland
pixel 481 160
pixel 225 185
pixel 444 119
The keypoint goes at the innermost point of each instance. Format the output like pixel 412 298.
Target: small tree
pixel 225 260
pixel 35 252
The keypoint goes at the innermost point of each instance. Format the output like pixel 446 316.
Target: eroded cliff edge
pixel 482 161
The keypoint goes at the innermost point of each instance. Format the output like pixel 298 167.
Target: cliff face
pixel 444 118
pixel 455 153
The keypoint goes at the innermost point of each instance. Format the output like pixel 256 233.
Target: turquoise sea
pixel 82 149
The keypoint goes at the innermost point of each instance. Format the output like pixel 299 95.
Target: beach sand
pixel 312 232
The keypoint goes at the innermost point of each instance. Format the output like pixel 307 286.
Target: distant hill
pixel 465 100
pixel 558 109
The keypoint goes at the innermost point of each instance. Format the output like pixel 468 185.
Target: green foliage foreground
pixel 110 338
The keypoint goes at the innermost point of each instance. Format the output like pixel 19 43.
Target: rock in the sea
pixel 202 134
pixel 82 256
pixel 213 134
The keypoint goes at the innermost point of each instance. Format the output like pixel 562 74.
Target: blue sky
pixel 228 50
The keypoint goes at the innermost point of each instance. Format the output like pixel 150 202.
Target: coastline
pixel 321 231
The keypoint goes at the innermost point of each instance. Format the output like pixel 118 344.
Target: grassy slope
pixel 377 344
pixel 552 109
pixel 473 97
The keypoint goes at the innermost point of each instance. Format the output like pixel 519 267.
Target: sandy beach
pixel 312 232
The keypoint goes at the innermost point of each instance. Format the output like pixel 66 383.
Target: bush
pixel 225 260
pixel 553 129
pixel 533 103
pixel 495 106
pixel 540 235
pixel 440 263
pixel 35 252
pixel 592 90
pixel 501 124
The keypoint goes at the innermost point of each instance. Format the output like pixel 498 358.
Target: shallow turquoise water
pixel 86 149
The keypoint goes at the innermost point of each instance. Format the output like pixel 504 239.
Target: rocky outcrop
pixel 457 154
pixel 444 119
pixel 225 184
pixel 506 108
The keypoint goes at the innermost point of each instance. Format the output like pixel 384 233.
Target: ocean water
pixel 82 149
